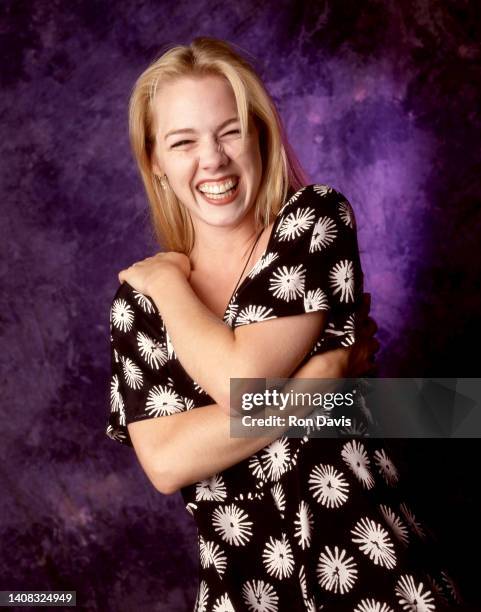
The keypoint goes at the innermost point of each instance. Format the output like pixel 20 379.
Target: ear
pixel 156 170
pixel 155 166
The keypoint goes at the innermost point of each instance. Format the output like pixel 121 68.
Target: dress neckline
pixel 247 278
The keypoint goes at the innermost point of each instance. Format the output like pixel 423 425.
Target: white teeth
pixel 218 188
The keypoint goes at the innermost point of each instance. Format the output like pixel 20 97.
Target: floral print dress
pixel 306 523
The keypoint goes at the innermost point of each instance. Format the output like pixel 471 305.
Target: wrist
pixel 331 364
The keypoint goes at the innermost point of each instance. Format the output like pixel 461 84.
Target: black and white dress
pixel 304 524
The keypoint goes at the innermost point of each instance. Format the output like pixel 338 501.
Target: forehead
pixel 193 102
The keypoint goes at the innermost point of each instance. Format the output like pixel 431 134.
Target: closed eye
pixel 181 142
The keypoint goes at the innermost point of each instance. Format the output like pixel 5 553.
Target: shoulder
pixel 311 206
pixel 317 198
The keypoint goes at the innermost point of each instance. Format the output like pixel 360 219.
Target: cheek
pixel 181 168
pixel 247 157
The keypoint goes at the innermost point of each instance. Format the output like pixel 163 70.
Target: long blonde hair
pixel 281 172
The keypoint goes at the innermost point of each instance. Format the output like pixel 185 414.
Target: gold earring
pixel 163 182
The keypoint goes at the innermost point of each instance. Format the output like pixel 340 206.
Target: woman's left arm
pixel 210 351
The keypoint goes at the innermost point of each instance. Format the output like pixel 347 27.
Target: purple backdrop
pixel 380 100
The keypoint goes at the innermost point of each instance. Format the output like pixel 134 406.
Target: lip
pixel 223 202
pixel 217 180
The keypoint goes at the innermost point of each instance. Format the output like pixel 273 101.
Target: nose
pixel 212 155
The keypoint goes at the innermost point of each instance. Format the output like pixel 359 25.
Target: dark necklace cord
pixel 250 255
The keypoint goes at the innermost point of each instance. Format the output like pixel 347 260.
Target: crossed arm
pixel 212 353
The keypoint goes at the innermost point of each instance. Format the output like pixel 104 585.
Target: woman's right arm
pixel 181 449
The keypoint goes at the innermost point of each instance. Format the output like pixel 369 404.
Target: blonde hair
pixel 281 171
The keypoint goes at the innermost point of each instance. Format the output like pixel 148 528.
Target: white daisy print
pixel 295 223
pixel 256 467
pixel 386 467
pixel 328 486
pixel 198 388
pixel 374 541
pixel 211 489
pixel 279 498
pixel 304 523
pixel 223 604
pixel 202 597
pixel 322 190
pixel 323 234
pixel 309 602
pixel 287 283
pixel 253 314
pixel 355 456
pixel 231 312
pixel 395 523
pixel 132 373
pixel 291 200
pixel 413 597
pixel 341 279
pixel 162 401
pixel 315 300
pixel 188 403
pixel 170 347
pixel 275 458
pixel 115 434
pixel 412 521
pixel 153 351
pixel 371 605
pixel 212 554
pixel 303 582
pixel 346 214
pixel 121 315
pixel 436 589
pixel 116 399
pixel 278 558
pixel 144 302
pixel 260 596
pixel 232 524
pixel 332 331
pixel 451 586
pixel 349 330
pixel 354 429
pixel 336 571
pixel 263 263
pixel 191 508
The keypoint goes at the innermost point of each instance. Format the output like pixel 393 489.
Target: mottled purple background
pixel 380 99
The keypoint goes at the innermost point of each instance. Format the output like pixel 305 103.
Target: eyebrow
pixel 190 130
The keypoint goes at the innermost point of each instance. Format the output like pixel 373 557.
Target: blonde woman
pixel 261 278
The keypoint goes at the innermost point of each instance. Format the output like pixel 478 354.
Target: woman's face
pixel 198 146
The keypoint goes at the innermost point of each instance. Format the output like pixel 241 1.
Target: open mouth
pixel 223 194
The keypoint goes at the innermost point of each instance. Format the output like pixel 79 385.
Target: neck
pixel 229 247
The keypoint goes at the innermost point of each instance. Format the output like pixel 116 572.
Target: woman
pixel 262 279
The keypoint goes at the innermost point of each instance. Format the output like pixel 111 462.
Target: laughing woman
pixel 261 278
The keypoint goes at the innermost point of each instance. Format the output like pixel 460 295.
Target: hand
pixel 144 275
pixel 362 353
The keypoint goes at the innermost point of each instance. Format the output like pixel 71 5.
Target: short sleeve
pixel 311 263
pixel 140 383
